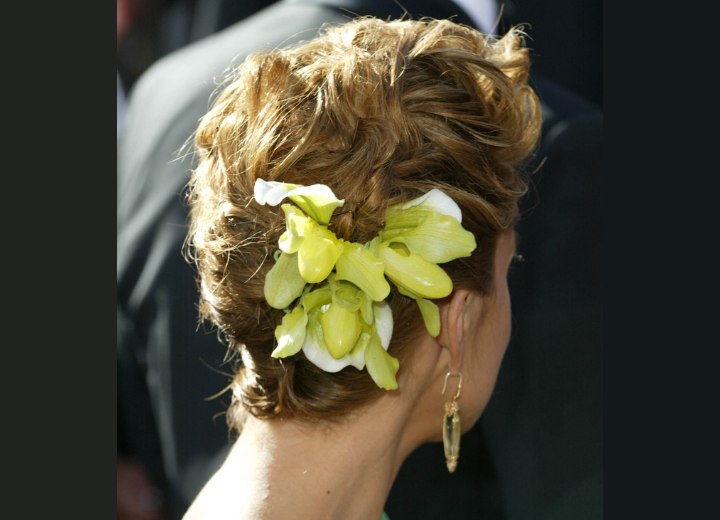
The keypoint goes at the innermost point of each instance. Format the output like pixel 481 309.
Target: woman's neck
pixel 284 469
pixel 342 471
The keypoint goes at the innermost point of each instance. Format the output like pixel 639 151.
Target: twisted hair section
pixel 381 112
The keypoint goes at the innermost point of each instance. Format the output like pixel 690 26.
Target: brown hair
pixel 381 112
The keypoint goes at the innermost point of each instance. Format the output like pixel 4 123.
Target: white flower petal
pixel 271 193
pixel 439 202
pixel 383 322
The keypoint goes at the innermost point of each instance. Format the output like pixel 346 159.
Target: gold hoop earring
pixel 451 426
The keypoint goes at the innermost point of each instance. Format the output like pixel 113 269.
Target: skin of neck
pixel 288 469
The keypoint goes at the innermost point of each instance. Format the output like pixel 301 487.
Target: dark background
pixel 566 38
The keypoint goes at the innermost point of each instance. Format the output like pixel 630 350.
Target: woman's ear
pixel 453 326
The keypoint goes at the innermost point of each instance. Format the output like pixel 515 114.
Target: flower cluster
pixel 338 288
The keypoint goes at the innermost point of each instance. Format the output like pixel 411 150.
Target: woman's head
pixel 381 112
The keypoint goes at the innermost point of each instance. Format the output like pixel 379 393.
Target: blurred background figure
pixel 566 34
pixel 150 29
pixel 137 496
pixel 536 451
pixel 120 106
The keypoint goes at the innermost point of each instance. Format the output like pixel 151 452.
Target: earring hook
pixel 459 387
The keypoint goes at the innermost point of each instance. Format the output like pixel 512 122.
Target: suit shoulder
pixel 560 103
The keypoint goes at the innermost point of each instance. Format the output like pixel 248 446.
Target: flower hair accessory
pixel 333 291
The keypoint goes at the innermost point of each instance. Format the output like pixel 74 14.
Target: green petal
pixel 297 221
pixel 297 224
pixel 437 238
pixel 373 246
pixel 317 257
pixel 381 366
pixel 341 329
pixel 290 334
pixel 412 272
pixel 289 243
pixel 347 295
pixel 283 282
pixel 318 201
pixel 366 309
pixel 359 266
pixel 357 354
pixel 315 350
pixel 431 316
pixel 317 298
pixel 399 221
pixel 407 292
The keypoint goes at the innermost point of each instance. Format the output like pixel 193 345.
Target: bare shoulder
pixel 225 496
pixel 202 505
pixel 216 501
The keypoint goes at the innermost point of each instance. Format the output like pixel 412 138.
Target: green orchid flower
pixel 359 265
pixel 317 247
pixel 317 201
pixel 341 317
pixel 373 338
pixel 418 235
pixel 429 226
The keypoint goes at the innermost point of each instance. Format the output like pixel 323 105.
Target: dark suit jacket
pixel 544 422
pixel 168 367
